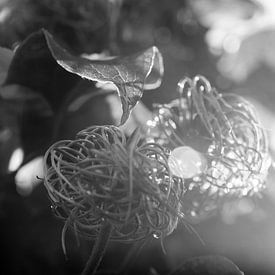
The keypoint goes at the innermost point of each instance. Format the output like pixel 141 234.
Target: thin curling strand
pixel 217 138
pixel 102 178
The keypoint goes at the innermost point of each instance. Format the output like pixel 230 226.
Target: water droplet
pixel 181 215
pixel 157 235
pixel 185 162
pixel 193 213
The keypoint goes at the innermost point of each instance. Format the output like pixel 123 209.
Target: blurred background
pixel 231 42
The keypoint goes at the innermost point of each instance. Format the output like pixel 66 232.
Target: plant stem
pixel 98 250
pixel 132 255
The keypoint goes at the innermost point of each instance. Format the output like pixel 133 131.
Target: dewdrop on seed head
pixel 185 162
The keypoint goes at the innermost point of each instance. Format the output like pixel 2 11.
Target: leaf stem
pixel 98 250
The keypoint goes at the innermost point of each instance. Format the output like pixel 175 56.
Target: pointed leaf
pixel 129 74
pixel 41 64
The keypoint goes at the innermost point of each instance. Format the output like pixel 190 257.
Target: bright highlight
pixel 185 162
pixel 16 159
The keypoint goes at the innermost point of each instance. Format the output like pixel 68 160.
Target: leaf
pixel 28 117
pixel 41 64
pixel 5 59
pixel 138 118
pixel 255 50
pixel 50 102
pixel 129 74
pixel 241 33
pixel 86 111
pixel 208 265
pixel 34 67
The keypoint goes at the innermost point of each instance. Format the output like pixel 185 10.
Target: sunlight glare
pixel 16 159
pixel 27 176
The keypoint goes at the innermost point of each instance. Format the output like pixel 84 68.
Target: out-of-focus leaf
pixel 255 50
pixel 241 32
pixel 224 12
pixel 131 74
pixel 9 134
pixel 138 118
pixel 34 67
pixel 25 98
pixel 85 109
pixel 5 59
pixel 26 121
pixel 208 265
